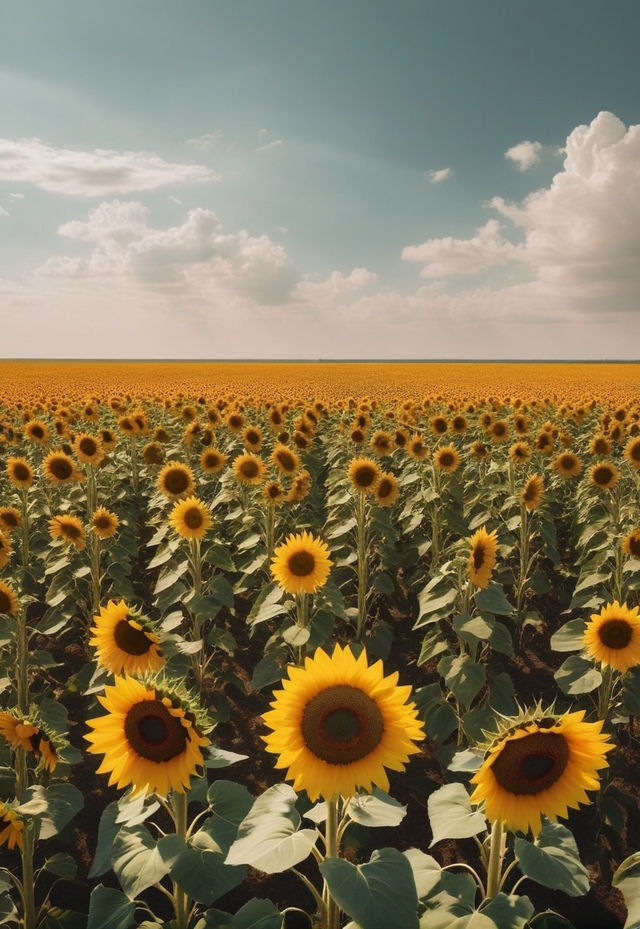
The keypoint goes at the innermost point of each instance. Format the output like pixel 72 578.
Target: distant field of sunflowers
pixel 398 604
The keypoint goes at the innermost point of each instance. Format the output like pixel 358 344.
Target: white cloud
pixel 436 177
pixel 525 154
pixel 3 212
pixel 262 131
pixel 336 285
pixel 16 196
pixel 274 144
pixel 462 256
pixel 174 199
pixel 97 173
pixel 206 142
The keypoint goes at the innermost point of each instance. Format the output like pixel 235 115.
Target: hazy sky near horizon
pixel 402 179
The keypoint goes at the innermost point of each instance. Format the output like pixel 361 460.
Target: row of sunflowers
pixel 193 582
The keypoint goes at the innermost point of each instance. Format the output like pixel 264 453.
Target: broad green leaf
pixel 203 874
pixel 464 677
pixel 553 860
pixel 61 864
pixel 433 607
pixel 215 757
pixel 384 584
pixel 139 861
pixel 379 643
pixel 107 831
pixel 576 675
pixel 434 643
pixel 379 893
pixel 230 804
pixel 451 816
pixel 627 880
pixel 256 914
pixel 376 809
pixel 569 638
pixel 269 838
pixel 493 600
pixel 473 630
pixel 218 555
pixel 427 873
pixel 169 578
pixel 268 671
pixel 110 909
pixel 53 806
pixel 267 605
pixel 469 760
pixel 505 912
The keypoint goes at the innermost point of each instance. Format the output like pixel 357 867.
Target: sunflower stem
pixel 22 663
pixel 524 560
pixel 363 573
pixel 605 691
pixel 302 619
pixel 331 833
pixel 94 543
pixel 28 882
pixel 24 526
pixel 270 526
pixel 179 801
pixel 133 449
pixel 494 868
pixel 196 565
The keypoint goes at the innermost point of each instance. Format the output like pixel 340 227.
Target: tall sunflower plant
pixel 534 769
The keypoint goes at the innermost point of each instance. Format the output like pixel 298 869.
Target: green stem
pixel 524 559
pixel 196 566
pixel 363 571
pixel 270 525
pixel 182 903
pixel 28 882
pixel 133 448
pixel 331 835
pixel 24 525
pixel 22 663
pixel 605 691
pixel 302 619
pixel 95 573
pixel 494 868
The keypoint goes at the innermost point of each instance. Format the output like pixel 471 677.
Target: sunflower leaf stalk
pixel 496 854
pixel 133 451
pixel 363 566
pixel 332 851
pixel 182 903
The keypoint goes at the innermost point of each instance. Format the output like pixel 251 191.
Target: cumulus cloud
pixel 436 177
pixel 442 257
pixel 335 285
pixel 97 173
pixel 525 154
pixel 206 142
pixel 274 144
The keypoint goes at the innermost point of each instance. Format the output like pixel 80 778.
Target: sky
pixel 290 179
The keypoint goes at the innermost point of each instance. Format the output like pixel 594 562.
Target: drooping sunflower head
pixel 191 518
pixel 273 493
pixel 566 464
pixel 447 459
pixel 630 545
pixel 88 448
pixel 381 443
pixel 417 448
pixel 533 492
pixel 338 723
pixel 479 450
pixel 32 735
pixel 19 472
pixel 125 640
pixel 69 529
pixel 286 460
pixel 387 491
pixel 249 469
pixel 300 487
pixel 364 475
pixel 604 475
pixel 9 602
pixel 540 764
pixel 104 523
pixel 10 519
pixel 482 558
pixel 152 737
pixel 153 453
pixel 632 453
pixel 612 636
pixel 59 468
pixel 212 461
pixel 11 827
pixel 108 438
pixel 176 480
pixel 6 549
pixel 519 452
pixel 301 564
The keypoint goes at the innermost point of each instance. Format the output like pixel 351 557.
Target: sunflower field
pixel 338 646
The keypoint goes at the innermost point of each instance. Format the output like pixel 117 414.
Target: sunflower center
pixel 615 633
pixel 365 476
pixel 286 461
pixel 131 640
pixel 301 564
pixel 249 468
pixel 176 482
pixel 478 556
pixel 21 472
pixel 37 432
pixel 11 521
pixel 88 446
pixel 5 603
pixel 602 475
pixel 342 724
pixel 384 488
pixel 193 518
pixel 102 522
pixel 153 732
pixel 531 764
pixel 634 545
pixel 61 468
pixel 70 531
pixel 446 459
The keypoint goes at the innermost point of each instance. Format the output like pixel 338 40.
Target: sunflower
pixel 191 518
pixel 387 491
pixel 612 637
pixel 630 545
pixel 519 452
pixel 104 523
pixel 37 431
pixel 499 432
pixel 533 492
pixel 446 459
pixel 69 529
pixel 604 475
pixel 357 436
pixel 339 723
pixel 600 446
pixel 479 450
pixel 417 448
pixel 151 738
pixel 212 460
pixel 235 422
pixel 301 564
pixel 10 519
pixel 632 453
pixel 59 468
pixel 19 472
pixel 544 442
pixel 286 460
pixel 11 826
pixel 175 480
pixel 521 425
pixel 6 549
pixel 439 425
pixel 9 603
pixel 125 641
pixel 567 464
pixel 458 425
pixel 273 492
pixel 482 558
pixel 153 453
pixel 252 438
pixel 31 736
pixel 541 766
pixel 300 487
pixel 88 448
pixel 381 443
pixel 364 474
pixel 249 469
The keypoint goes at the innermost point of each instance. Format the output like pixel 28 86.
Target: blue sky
pixel 287 179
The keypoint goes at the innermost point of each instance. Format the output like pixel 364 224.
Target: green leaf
pixel 379 893
pixel 473 630
pixel 269 838
pixel 256 914
pixel 451 816
pixel 267 604
pixel 384 584
pixel 218 555
pixel 203 875
pixel 230 803
pixel 441 721
pixel 267 671
pixel 53 807
pixel 427 873
pixel 569 638
pixel 379 643
pixel 139 861
pixel 220 758
pixel 376 809
pixel 627 880
pixel 464 677
pixel 493 600
pixel 107 831
pixel 553 860
pixel 576 675
pixel 61 865
pixel 221 591
pixel 550 920
pixel 434 643
pixel 505 912
pixel 110 909
pixel 433 607
pixel 500 640
pixel 502 695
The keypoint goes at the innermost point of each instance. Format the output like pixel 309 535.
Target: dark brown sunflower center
pixel 249 468
pixel 601 447
pixel 446 459
pixel 286 461
pixel 193 518
pixel 37 432
pixel 603 476
pixel 61 468
pixel 417 447
pixel 5 603
pixel 252 437
pixel 301 564
pixel 530 492
pixel 478 556
pixel 70 531
pixel 274 491
pixel 88 446
pixel 634 545
pixel 365 476
pixel 384 488
pixel 153 732
pixel 440 425
pixel 21 472
pixel 11 521
pixel 102 522
pixel 176 482
pixel 131 640
pixel 531 764
pixel 634 451
pixel 342 724
pixel 615 633
pixel 499 429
